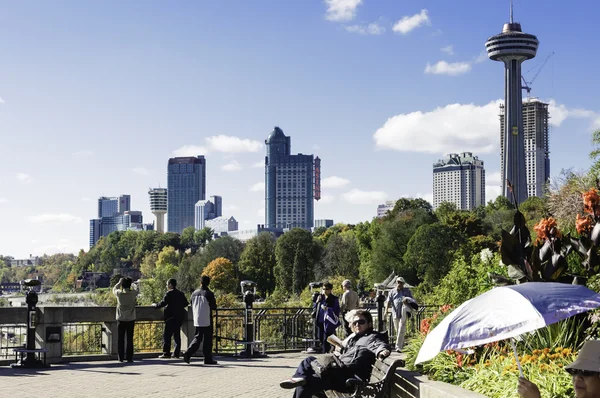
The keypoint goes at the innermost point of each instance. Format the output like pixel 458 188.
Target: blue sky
pixel 96 96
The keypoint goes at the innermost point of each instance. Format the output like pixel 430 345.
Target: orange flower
pixel 591 202
pixel 546 229
pixel 584 224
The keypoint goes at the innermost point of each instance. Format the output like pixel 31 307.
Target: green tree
pixel 391 242
pixel 595 155
pixel 203 236
pixel 257 262
pixel 444 210
pixel 187 239
pixel 227 247
pixel 429 253
pixel 166 267
pixel 296 254
pixel 341 257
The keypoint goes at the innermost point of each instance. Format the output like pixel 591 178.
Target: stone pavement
pixel 168 378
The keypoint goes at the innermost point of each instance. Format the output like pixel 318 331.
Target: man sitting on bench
pixel 362 348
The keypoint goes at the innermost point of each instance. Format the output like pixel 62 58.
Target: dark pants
pixel 125 332
pixel 172 329
pixel 323 337
pixel 314 384
pixel 204 335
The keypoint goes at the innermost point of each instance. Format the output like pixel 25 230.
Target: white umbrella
pixel 506 312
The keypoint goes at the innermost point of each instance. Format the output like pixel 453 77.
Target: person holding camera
pixel 328 315
pixel 126 293
pixel 313 376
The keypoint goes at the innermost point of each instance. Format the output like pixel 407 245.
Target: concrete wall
pixel 413 385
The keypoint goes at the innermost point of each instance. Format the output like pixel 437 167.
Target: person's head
pixel 327 288
pixel 400 282
pixel 362 321
pixel 126 283
pixel 205 280
pixel 586 370
pixel 171 284
pixel 347 285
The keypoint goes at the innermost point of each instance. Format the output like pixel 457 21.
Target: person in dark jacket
pixel 359 355
pixel 203 303
pixel 328 315
pixel 175 304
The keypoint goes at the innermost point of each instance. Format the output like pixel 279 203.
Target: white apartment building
pixel 459 179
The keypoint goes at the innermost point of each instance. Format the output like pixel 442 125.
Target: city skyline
pixel 379 90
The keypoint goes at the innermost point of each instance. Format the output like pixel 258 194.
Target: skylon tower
pixel 512 47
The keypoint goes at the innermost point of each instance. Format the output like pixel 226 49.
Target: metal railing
pixel 147 336
pixel 11 336
pixel 84 338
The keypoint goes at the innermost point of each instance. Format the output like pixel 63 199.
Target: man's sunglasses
pixel 584 373
pixel 359 322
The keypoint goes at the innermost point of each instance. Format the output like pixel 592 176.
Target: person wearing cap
pixel 585 372
pixel 395 301
pixel 348 303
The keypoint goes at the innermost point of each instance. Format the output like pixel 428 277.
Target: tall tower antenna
pixel 511 11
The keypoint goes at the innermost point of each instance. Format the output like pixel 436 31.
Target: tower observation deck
pixel 513 47
pixel 158 206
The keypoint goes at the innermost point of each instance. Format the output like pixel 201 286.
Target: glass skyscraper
pixel 289 184
pixel 186 179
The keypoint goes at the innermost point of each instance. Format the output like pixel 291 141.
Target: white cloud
pixel 448 49
pixel 190 150
pixel 229 144
pixel 492 192
pixel 63 246
pixel 231 207
pixel 453 128
pixel 427 196
pixel 258 187
pixel 445 68
pixel 326 199
pixel 84 153
pixel 407 24
pixel 141 171
pixel 370 29
pixel 234 165
pixel 260 212
pixel 341 10
pixel 3 200
pixel 493 179
pixel 24 178
pixel 481 57
pixel 334 182
pixel 1 100
pixel 559 112
pixel 259 165
pixel 358 197
pixel 86 199
pixel 53 218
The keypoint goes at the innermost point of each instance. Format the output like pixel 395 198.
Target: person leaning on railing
pixel 585 371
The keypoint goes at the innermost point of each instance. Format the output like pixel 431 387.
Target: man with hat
pixel 395 301
pixel 585 372
pixel 348 303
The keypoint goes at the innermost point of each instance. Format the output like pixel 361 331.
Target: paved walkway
pixel 165 378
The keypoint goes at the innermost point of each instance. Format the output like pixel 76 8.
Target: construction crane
pixel 527 84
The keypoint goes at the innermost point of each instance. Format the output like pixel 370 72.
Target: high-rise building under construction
pixel 537 153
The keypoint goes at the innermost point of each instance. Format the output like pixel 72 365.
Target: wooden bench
pixel 380 383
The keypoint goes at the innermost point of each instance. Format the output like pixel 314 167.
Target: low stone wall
pixel 409 384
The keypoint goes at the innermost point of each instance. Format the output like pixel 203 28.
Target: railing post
pixel 49 332
pixel 110 338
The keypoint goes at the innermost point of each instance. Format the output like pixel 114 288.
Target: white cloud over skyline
pixel 53 218
pixel 234 165
pixel 409 23
pixel 220 143
pixel 3 200
pixel 259 164
pixel 449 49
pixel 325 200
pixel 360 197
pixel 141 171
pixel 341 10
pixel 258 187
pixel 24 178
pixel 370 29
pixel 190 150
pixel 334 182
pixel 448 68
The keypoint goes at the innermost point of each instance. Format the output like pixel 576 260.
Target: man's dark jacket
pixel 358 358
pixel 176 303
